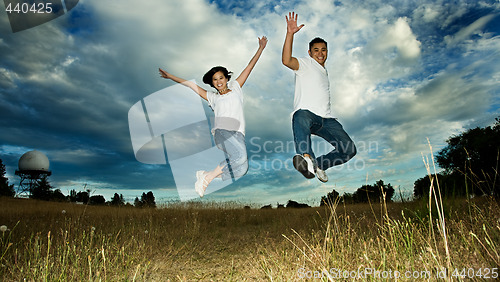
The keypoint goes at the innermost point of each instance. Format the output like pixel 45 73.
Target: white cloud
pixel 399 36
pixel 360 19
pixel 428 13
pixel 7 78
pixel 466 32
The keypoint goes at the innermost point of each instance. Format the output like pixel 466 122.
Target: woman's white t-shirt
pixel 228 108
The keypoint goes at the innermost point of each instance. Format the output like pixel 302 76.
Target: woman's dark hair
pixel 207 78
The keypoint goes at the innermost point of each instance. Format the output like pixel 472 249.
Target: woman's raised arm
pixel 200 91
pixel 246 72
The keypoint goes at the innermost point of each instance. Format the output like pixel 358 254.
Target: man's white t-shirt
pixel 228 108
pixel 312 88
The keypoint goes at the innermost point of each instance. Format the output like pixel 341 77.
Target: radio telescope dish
pixel 33 166
pixel 34 160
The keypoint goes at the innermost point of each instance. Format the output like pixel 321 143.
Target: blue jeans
pixel 305 123
pixel 232 143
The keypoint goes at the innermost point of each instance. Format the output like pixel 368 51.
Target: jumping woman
pixel 229 126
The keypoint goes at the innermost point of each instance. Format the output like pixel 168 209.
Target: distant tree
pixel 148 200
pixel 348 198
pixel 470 163
pixel 97 200
pixel 330 198
pixel 366 193
pixel 117 200
pixel 58 196
pixel 421 187
pixel 138 203
pixel 450 185
pixel 42 190
pixel 372 193
pixel 388 190
pixel 72 196
pixel 5 189
pixel 294 204
pixel 83 197
pixel 475 149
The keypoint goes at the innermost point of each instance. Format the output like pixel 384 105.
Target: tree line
pixel 6 189
pixel 469 164
pixel 366 193
pixel 43 190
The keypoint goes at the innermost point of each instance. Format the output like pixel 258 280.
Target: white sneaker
pixel 201 183
pixel 304 165
pixel 321 175
pixel 310 165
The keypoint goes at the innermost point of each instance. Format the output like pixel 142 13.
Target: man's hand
pixel 291 23
pixel 291 29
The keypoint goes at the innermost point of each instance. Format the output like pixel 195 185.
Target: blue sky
pixel 401 72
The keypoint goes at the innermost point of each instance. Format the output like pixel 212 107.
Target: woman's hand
pixel 262 42
pixel 165 74
pixel 200 91
pixel 246 72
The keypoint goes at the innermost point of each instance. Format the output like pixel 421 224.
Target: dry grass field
pixel 48 241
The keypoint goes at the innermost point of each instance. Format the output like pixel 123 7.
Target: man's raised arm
pixel 291 29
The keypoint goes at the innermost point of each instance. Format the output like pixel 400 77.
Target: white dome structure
pixel 34 161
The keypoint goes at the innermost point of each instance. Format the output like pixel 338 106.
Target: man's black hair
pixel 317 40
